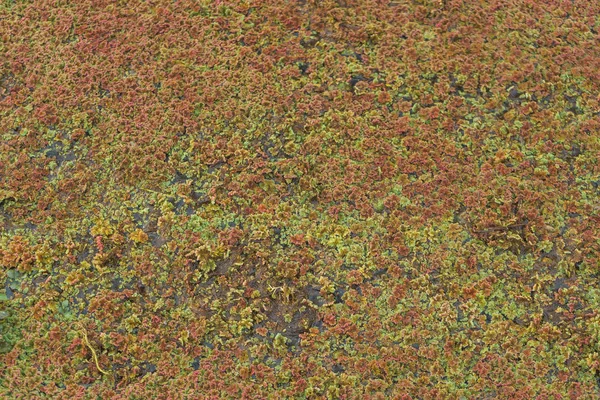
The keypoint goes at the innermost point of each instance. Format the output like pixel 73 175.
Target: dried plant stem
pixel 87 343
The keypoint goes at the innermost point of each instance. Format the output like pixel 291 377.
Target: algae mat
pixel 299 199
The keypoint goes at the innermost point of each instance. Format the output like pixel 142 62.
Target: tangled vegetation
pixel 263 199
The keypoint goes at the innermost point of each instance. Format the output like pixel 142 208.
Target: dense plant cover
pixel 299 199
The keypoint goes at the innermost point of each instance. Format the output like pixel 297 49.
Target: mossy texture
pixel 304 199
